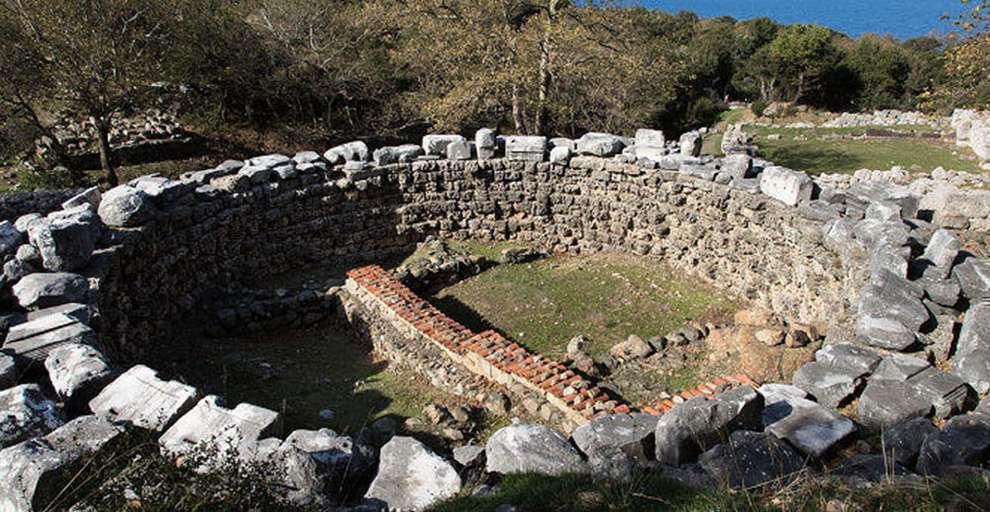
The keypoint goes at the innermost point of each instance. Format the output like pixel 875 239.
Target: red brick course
pixel 500 359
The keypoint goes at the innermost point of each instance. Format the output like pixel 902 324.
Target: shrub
pixel 759 107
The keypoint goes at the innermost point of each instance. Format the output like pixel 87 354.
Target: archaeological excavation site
pixel 391 328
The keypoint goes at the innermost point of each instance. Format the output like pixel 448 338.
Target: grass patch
pixel 817 153
pixel 301 372
pixel 604 297
pixel 491 251
pixel 654 492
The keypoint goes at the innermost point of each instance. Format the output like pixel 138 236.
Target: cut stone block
pixel 529 448
pixel 631 434
pixel 269 161
pixel 397 154
pixel 942 251
pixel 43 290
pixel 25 412
pixel 526 148
pixel 787 186
pixel 699 423
pixel 973 276
pixel 436 145
pixel 963 441
pixel 750 459
pixel 411 477
pixel 599 144
pixel 220 431
pixel 142 399
pixel 903 441
pixel 900 367
pixel 77 372
pixel 808 426
pixel 885 403
pixel 847 355
pixel 36 339
pixel 946 392
pixel 830 385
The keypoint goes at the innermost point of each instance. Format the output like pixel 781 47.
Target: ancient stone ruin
pixel 96 285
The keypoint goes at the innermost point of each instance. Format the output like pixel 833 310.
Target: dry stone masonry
pixel 92 287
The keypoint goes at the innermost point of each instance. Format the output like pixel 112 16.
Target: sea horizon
pixel 902 19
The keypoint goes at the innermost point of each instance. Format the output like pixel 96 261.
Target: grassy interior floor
pixel 299 373
pixel 605 297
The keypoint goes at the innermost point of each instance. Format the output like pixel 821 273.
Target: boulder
pixel 739 166
pixel 11 236
pixel 525 148
pixel 485 143
pixel 806 425
pixel 973 275
pixel 691 143
pixel 699 423
pixel 631 434
pixel 43 290
pixel 125 206
pixel 411 477
pixel 339 458
pixel 975 332
pixel 397 154
pixel 599 144
pixel 632 348
pixel 890 311
pixel 869 468
pixel 941 252
pixel 849 356
pixel 90 196
pixel 963 441
pixel 902 442
pixel 560 155
pixel 973 367
pixel 436 145
pixel 650 145
pixel 885 403
pixel 787 186
pixel 469 455
pixel 141 398
pixel 830 385
pixel 77 372
pixel 219 431
pixel 25 413
pixel 36 339
pixel 530 448
pixel 751 459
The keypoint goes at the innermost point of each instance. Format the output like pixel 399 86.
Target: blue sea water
pixel 902 19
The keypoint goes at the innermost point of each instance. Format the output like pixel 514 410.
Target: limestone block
pixel 411 477
pixel 11 236
pixel 35 291
pixel 650 144
pixel 691 143
pixel 25 412
pixel 125 206
pixel 486 143
pixel 38 338
pixel 90 196
pixel 268 161
pixel 221 431
pixel 66 239
pixel 397 154
pixel 142 399
pixel 77 372
pixel 530 448
pixel 787 186
pixel 436 145
pixel 600 144
pixel 525 148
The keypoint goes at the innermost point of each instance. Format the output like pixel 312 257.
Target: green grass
pixel 314 369
pixel 607 297
pixel 491 251
pixel 653 492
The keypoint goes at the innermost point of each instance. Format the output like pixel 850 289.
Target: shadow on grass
pixel 812 160
pixel 466 315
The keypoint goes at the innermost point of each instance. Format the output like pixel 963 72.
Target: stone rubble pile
pixel 885 118
pixel 906 309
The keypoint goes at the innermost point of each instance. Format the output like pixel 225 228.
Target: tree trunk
pixel 517 115
pixel 546 51
pixel 106 160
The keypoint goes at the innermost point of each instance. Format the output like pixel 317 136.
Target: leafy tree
pixel 967 64
pixel 881 68
pixel 791 66
pixel 98 57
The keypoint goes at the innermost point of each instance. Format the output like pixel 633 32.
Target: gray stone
pixel 397 154
pixel 269 161
pixel 739 166
pixel 25 412
pixel 525 148
pixel 560 155
pixel 90 196
pixel 691 143
pixel 230 166
pixel 699 423
pixel 469 455
pixel 256 175
pixel 599 144
pixel 830 385
pixel 973 275
pixel 141 398
pixel 35 291
pixel 650 145
pixel 963 441
pixel 863 193
pixel 941 291
pixel 125 206
pixel 8 371
pixel 530 448
pixel 885 403
pixel 36 339
pixel 883 211
pixel 891 311
pixel 631 434
pixel 306 157
pixel 902 442
pixel 750 459
pixel 77 372
pixel 339 458
pixel 847 355
pixel 486 143
pixel 869 468
pixel 946 392
pixel 219 431
pixel 67 238
pixel 941 252
pixel 975 332
pixel 808 426
pixel 460 151
pixel 285 172
pixel 411 477
pixel 15 270
pixel 314 167
pixel 10 237
pixel 437 144
pixel 900 367
pixel 787 186
pixel 28 253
